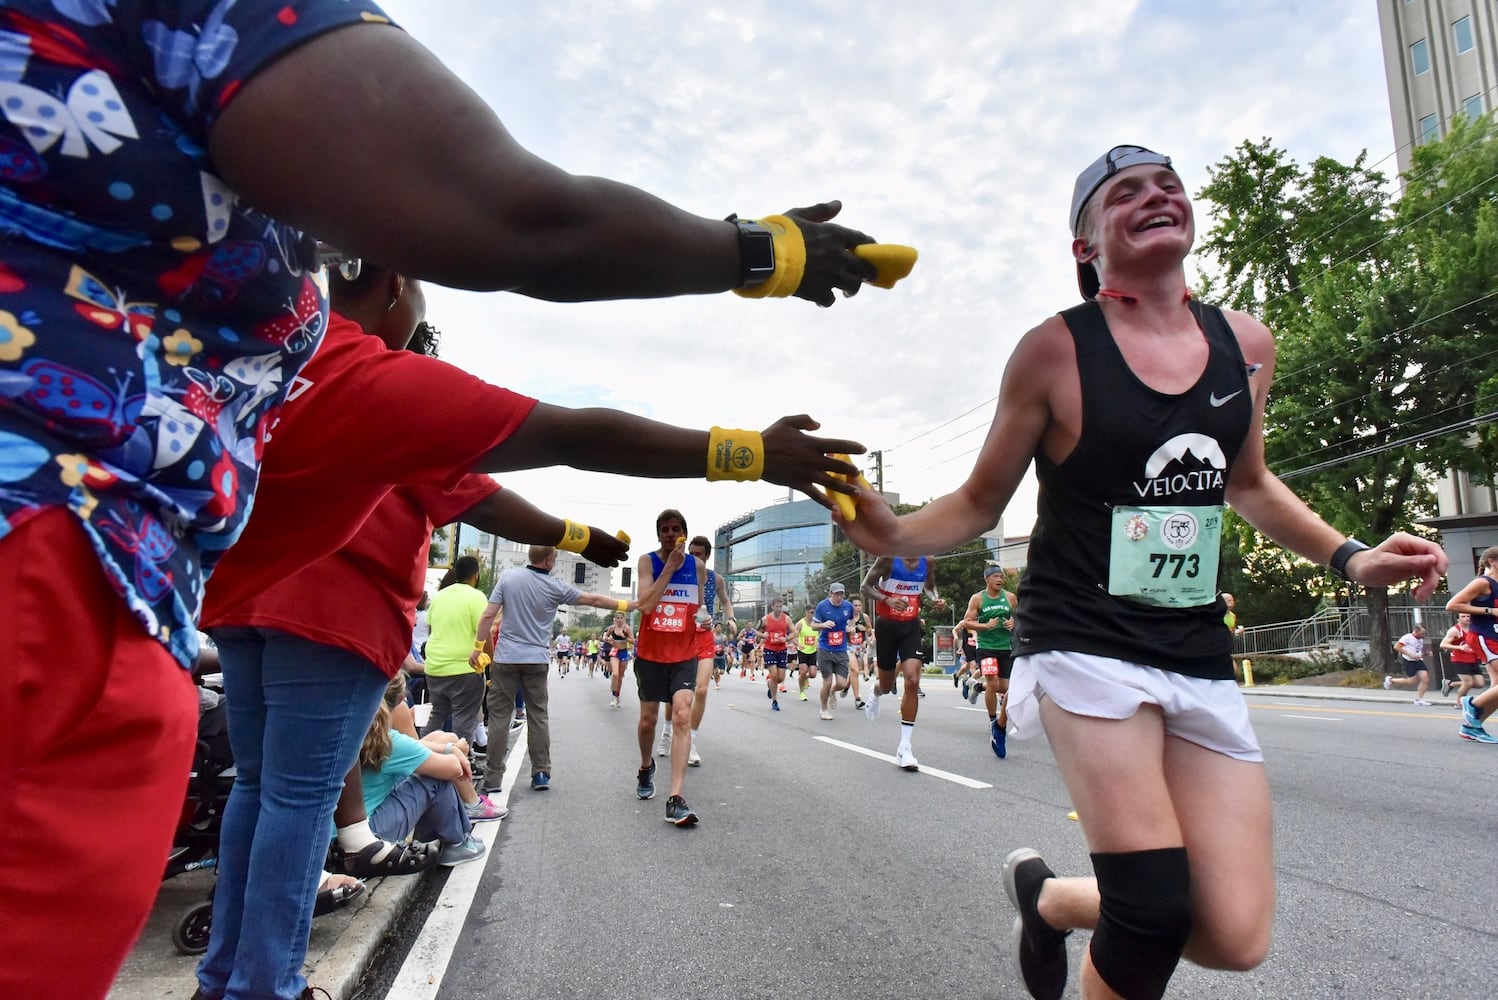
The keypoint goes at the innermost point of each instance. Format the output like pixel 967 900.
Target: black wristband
pixel 1344 553
pixel 756 252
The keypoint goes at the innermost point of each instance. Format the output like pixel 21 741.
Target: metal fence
pixel 1347 631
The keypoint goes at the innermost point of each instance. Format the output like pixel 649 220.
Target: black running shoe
pixel 678 812
pixel 645 782
pixel 1038 949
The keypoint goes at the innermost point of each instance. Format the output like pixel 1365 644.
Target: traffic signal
pixel 624 576
pixel 579 574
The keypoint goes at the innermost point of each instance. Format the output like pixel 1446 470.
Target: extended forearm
pixel 509 515
pixel 600 440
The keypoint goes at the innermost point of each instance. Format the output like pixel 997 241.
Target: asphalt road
pixel 821 871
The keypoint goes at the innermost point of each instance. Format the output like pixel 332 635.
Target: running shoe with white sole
pixel 871 708
pixel 456 854
pixel 977 692
pixel 1421 701
pixel 679 813
pixel 1388 681
pixel 1038 949
pixel 664 749
pixel 645 782
pixel 693 760
pixel 1477 734
pixel 906 760
pixel 826 716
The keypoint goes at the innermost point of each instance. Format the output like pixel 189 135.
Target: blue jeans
pixel 298 712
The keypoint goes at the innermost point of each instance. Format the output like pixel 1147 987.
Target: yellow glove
pixel 891 260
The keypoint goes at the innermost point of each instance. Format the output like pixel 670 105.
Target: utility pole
pixel 879 471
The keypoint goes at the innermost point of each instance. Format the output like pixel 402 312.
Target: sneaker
pixel 774 706
pixel 664 749
pixel 859 703
pixel 1038 949
pixel 645 782
pixel 678 812
pixel 1445 687
pixel 871 708
pixel 1421 701
pixel 520 716
pixel 771 694
pixel 1388 681
pixel 977 692
pixel 614 702
pixel 782 689
pixel 540 781
pixel 905 760
pixel 1469 713
pixel 1477 734
pixel 954 680
pixel 966 687
pixel 455 854
pixel 516 725
pixel 803 695
pixel 693 758
pixel 843 693
pixel 483 809
pixel 996 739
pixel 481 736
pixel 826 715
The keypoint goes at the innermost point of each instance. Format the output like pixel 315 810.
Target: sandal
pixel 336 897
pixel 384 858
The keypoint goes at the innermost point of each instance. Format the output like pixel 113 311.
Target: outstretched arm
pixel 509 515
pixel 612 441
pixel 456 199
pixel 1271 507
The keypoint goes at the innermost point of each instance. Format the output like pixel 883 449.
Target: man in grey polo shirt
pixel 529 596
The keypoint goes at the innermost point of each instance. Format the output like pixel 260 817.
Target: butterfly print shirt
pixel 150 323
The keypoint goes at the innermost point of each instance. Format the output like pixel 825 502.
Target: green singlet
pixel 995 608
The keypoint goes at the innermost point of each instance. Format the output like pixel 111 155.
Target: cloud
pixel 957 128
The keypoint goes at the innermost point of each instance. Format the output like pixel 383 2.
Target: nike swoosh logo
pixel 1218 402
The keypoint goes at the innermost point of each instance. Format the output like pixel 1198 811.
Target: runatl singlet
pixel 906 579
pixel 1123 557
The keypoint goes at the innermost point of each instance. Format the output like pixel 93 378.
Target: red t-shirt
pixel 363 597
pixel 358 420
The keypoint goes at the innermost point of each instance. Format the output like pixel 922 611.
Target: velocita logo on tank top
pixel 1187 463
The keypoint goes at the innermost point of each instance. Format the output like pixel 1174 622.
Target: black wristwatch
pixel 756 252
pixel 1343 555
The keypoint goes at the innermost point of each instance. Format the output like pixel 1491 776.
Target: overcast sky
pixel 956 127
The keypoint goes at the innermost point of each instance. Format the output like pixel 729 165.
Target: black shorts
pixel 806 659
pixel 659 682
pixel 895 642
pixel 1411 667
pixel 1005 658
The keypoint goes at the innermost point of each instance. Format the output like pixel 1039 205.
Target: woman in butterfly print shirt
pixel 151 322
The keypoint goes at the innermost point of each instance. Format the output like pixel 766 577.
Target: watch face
pixel 756 253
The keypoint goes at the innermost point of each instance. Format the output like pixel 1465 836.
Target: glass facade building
pixel 781 545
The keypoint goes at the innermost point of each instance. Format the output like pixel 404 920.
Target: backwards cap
pixel 1089 180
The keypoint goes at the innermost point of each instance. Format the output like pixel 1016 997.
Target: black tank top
pixel 1138 447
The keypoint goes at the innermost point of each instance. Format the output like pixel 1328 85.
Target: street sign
pixel 743 578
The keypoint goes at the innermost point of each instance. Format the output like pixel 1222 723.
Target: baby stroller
pixel 195 844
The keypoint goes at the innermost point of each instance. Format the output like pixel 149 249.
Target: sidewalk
pixel 342 943
pixel 1395 697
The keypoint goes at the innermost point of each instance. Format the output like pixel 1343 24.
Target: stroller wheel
pixel 190 932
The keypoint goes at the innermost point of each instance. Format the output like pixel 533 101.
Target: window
pixel 1461 34
pixel 1430 129
pixel 1473 107
pixel 1420 57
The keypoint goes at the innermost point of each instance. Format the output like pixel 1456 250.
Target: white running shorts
pixel 1211 714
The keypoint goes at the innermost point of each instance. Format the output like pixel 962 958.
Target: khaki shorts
pixel 1211 714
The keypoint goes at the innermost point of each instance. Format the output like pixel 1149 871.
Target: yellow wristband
pixel 574 536
pixel 790 260
pixel 734 454
pixel 478 645
pixel 623 604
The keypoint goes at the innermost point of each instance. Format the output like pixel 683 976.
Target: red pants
pixel 97 727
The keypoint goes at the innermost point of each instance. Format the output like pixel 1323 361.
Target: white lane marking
pixel 968 708
pixel 1321 718
pixel 933 772
pixel 420 976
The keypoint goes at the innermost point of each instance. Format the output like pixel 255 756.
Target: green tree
pixel 1385 318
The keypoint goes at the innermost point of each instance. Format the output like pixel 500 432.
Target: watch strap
pixel 1343 555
